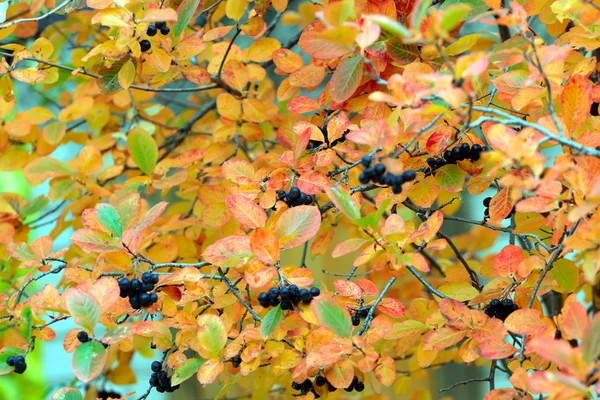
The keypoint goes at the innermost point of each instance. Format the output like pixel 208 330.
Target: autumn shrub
pixel 204 158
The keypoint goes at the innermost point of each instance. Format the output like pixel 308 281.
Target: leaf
pixel 270 322
pixel 332 315
pixel 478 7
pixel 340 196
pixel 442 338
pixel 576 100
pixel 91 241
pixel 373 219
pixel 143 149
pixel 186 370
pixel 450 178
pixel 527 321
pixel 37 171
pixel 185 12
pixel 246 211
pixel 348 289
pixel 392 307
pixel 400 52
pixel 109 217
pixel 126 75
pixel 501 205
pixel 264 245
pixel 346 78
pixel 88 360
pixel 590 347
pixel 228 252
pixel 566 274
pixel 84 308
pixel 209 371
pixel 67 393
pixel 297 225
pixel 235 9
pixel 109 80
pixel 340 374
pixel 389 25
pixel 212 335
pixel 506 263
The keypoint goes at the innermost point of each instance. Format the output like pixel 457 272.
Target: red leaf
pixel 348 289
pixel 346 78
pixel 246 211
pixel 297 225
pixel 392 307
pixel 264 245
pixel 506 263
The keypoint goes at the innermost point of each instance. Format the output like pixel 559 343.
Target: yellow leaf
pixel 126 74
pixel 235 9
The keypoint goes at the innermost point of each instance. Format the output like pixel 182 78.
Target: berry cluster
pixel 458 153
pixel 295 197
pixel 104 395
pixel 500 309
pixel 236 361
pixel 151 31
pixel 160 380
pixel 307 386
pixel 138 291
pixel 287 296
pixel 377 174
pixel 362 313
pixel 355 385
pixel 18 362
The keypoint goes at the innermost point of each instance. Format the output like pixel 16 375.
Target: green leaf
pixel 26 322
pixel 450 178
pixel 186 370
pixel 185 12
pixel 67 393
pixel 390 25
pixel 418 13
pixel 83 307
pixel 109 217
pixel 109 81
pixel 346 78
pixel 373 219
pixel 590 347
pixel 7 352
pixel 34 206
pixel 566 274
pixel 143 149
pixel 400 52
pixel 454 15
pixel 270 322
pixel 88 360
pixel 340 196
pixel 478 7
pixel 332 315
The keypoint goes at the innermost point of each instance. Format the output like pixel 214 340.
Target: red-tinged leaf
pixel 302 104
pixel 501 205
pixel 406 328
pixel 348 289
pixel 368 287
pixel 106 289
pixel 90 241
pixel 297 225
pixel 575 321
pixel 258 278
pixel 429 228
pixel 340 374
pixel 309 76
pixel 526 321
pixel 348 246
pixel 37 171
pixel 301 143
pixel 385 373
pixel 186 370
pixel 591 341
pixel 196 74
pixel 312 182
pixel 88 360
pixel 67 393
pixel 185 11
pixel 346 78
pixel 84 308
pixel 299 276
pixel 392 307
pixel 439 141
pixel 558 352
pixel 506 394
pixel 332 315
pixel 237 170
pixel 152 215
pixel 228 252
pixel 246 211
pixel 314 45
pixel 456 312
pixel 180 276
pixel 212 335
pixel 576 100
pixel 506 263
pixel 340 196
pixel 264 245
pixel 209 371
pixel 442 338
pixel 21 251
pixel 496 349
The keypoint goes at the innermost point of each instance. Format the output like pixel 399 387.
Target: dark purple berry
pixel 315 292
pixel 145 45
pixel 83 337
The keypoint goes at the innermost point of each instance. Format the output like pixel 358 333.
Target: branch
pixel 425 283
pixel 34 19
pixel 236 293
pixel 369 317
pixel 464 383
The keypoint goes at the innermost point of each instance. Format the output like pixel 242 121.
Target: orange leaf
pixel 209 371
pixel 264 245
pixel 507 261
pixel 501 205
pixel 442 338
pixel 392 307
pixel 576 100
pixel 525 322
pixel 297 225
pixel 246 211
pixel 348 289
pixel 340 374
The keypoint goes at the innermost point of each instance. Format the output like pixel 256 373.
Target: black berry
pixel 156 366
pixel 160 25
pixel 315 292
pixel 165 30
pixel 355 320
pixel 10 361
pixel 145 45
pixel 151 31
pixel 366 161
pixel 320 380
pixel 83 337
pixel 409 175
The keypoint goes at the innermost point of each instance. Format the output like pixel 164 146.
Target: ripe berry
pixel 320 380
pixel 156 366
pixel 136 284
pixel 263 297
pixel 507 303
pixel 486 201
pixel 153 381
pixel 305 295
pixel 484 149
pixel 359 386
pixel 409 175
pixel 20 365
pixel 154 279
pixel 274 302
pixel 449 156
pixel 286 305
pixel 146 277
pixel 396 189
pixel 431 162
pixel 315 292
pixel 144 299
pixel 458 154
pixel 83 337
pixel 363 179
pixel 494 303
pixel 10 361
pixel 160 25
pixel 294 193
pixel 355 320
pixel 281 195
pixel 284 293
pixel 145 45
pixel 369 172
pixel 135 303
pixel 201 20
pixel 379 169
pixel 165 30
pixel 465 149
pixel 146 287
pixel 366 161
pixel 296 386
pixel 153 298
pixel 124 284
pixel 273 292
pixel 151 31
pixel 476 148
pixel 294 290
